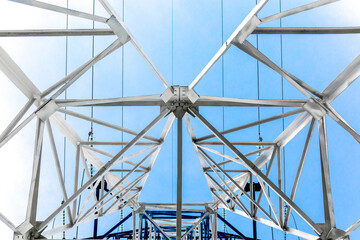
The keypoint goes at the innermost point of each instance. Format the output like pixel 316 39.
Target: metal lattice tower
pixel 232 189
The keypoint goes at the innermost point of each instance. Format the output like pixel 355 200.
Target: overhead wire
pixel 259 114
pixel 66 73
pixel 122 107
pixel 223 89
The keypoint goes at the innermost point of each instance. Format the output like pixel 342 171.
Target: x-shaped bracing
pixel 228 191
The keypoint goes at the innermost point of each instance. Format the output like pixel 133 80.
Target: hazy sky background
pixel 198 31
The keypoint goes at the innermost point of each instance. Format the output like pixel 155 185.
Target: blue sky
pixel 198 32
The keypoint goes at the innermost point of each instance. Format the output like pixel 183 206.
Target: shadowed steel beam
pixel 256 171
pixel 305 30
pixel 179 180
pixel 265 120
pixel 325 173
pixel 300 167
pixel 101 172
pixel 242 32
pixel 61 10
pixel 55 32
pixel 297 10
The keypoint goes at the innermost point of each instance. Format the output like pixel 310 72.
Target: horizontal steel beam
pixel 307 30
pixel 109 32
pixel 55 32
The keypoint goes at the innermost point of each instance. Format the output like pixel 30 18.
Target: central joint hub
pixel 179 99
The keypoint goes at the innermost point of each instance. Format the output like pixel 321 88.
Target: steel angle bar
pixel 17 129
pixel 236 143
pixel 280 186
pixel 8 223
pixel 77 73
pixel 61 10
pixel 194 226
pixel 51 232
pixel 267 175
pixel 231 159
pixel 297 10
pixel 238 187
pixel 17 76
pixel 92 193
pixel 225 101
pixel 341 121
pixel 252 124
pixel 304 30
pixel 232 194
pixel 102 202
pixel 228 157
pixel 292 231
pixel 352 228
pixel 106 124
pixel 192 135
pixel 124 101
pixel 157 226
pixel 35 177
pixel 76 178
pixel 116 143
pixel 117 23
pixel 17 118
pixel 125 159
pixel 293 129
pixel 179 174
pixel 257 172
pixel 163 136
pixel 241 33
pixel 113 208
pixel 255 53
pixel 58 168
pixel 121 180
pixel 325 173
pixel 105 169
pixel 55 32
pixel 300 168
pixel 343 80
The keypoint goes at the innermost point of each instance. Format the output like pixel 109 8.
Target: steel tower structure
pixel 183 104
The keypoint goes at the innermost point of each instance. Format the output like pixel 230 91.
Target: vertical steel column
pixel 134 225
pixel 179 180
pixel 35 178
pixel 325 173
pixel 214 226
pixel 96 221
